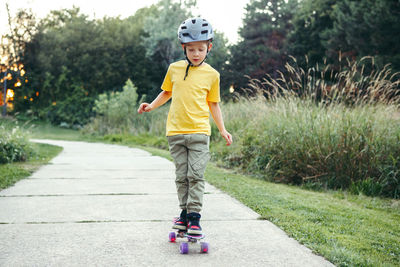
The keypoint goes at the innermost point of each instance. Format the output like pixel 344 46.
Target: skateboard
pixel 184 246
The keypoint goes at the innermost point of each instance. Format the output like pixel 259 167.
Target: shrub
pixel 116 113
pixel 72 112
pixel 14 145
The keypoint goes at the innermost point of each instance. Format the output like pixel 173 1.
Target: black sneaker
pixel 194 227
pixel 181 223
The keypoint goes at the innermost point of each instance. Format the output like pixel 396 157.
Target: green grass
pixel 13 172
pixel 43 130
pixel 348 230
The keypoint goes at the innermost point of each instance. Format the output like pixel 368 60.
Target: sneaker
pixel 181 223
pixel 194 227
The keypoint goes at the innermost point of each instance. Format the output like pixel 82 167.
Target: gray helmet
pixel 195 29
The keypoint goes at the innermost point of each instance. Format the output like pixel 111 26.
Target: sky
pixel 224 16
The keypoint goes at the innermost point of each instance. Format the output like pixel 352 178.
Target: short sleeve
pixel 167 84
pixel 213 94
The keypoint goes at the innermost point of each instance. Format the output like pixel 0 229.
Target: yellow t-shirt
pixel 189 112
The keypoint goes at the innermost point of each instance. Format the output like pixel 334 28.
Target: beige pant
pixel 191 154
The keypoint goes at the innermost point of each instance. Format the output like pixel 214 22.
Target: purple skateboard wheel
pixel 172 237
pixel 203 247
pixel 184 248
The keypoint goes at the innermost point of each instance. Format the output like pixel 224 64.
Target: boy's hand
pixel 227 136
pixel 144 107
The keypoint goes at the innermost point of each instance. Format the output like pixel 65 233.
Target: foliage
pixel 218 58
pixel 115 108
pixel 71 55
pixel 72 112
pixel 339 136
pixel 66 50
pixel 333 146
pixel 310 23
pixel 71 59
pixel 11 173
pixel 351 85
pixel 363 28
pixel 317 29
pixel 116 112
pixel 262 48
pixel 352 29
pixel 14 145
pixel 12 48
pixel 161 39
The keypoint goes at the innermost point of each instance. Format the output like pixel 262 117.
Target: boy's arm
pixel 219 121
pixel 160 100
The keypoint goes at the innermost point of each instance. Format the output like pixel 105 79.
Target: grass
pixel 43 130
pixel 348 230
pixel 39 154
pixel 13 172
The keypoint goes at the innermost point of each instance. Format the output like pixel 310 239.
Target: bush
pixel 14 145
pixel 116 113
pixel 72 112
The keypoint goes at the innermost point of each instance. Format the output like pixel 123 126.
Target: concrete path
pixel 109 205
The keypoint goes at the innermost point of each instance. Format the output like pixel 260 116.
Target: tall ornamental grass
pixel 296 141
pixel 340 131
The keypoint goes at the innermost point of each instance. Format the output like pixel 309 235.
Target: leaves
pixel 14 145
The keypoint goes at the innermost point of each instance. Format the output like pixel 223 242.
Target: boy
pixel 194 88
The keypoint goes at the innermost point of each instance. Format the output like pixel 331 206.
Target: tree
pixel 71 55
pixel 262 48
pixel 366 28
pixel 12 47
pixel 346 29
pixel 161 39
pixel 311 25
pixel 71 59
pixel 218 58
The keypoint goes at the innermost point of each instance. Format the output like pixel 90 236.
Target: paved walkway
pixel 109 205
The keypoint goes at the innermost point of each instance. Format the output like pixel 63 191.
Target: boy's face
pixel 197 51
